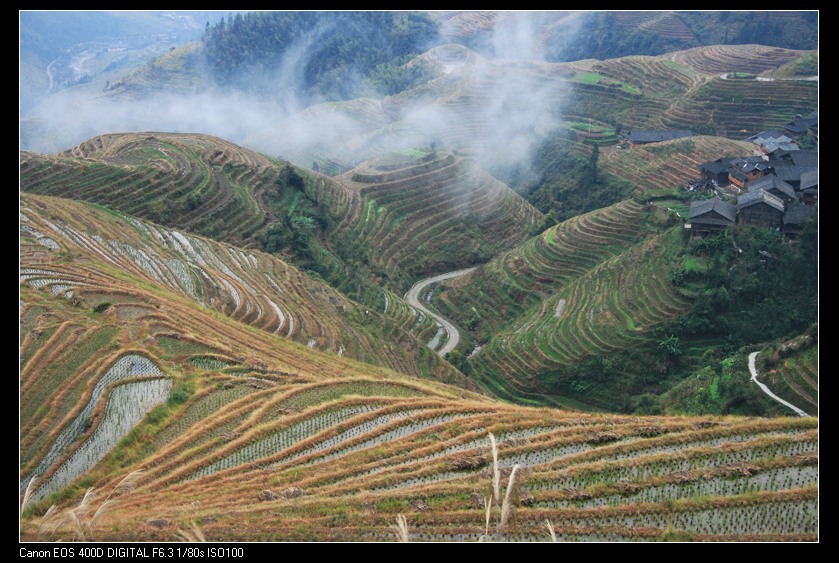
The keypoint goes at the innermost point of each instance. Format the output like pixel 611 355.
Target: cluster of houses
pixel 774 189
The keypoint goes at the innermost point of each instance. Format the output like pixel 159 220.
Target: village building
pixel 715 171
pixel 794 219
pixel 775 186
pixel 809 187
pixel 710 216
pixel 760 209
pixel 744 170
pixel 646 136
pixel 770 141
pixel 800 126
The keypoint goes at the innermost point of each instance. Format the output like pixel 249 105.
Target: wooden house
pixel 744 170
pixel 715 171
pixel 775 186
pixel 761 209
pixel 710 216
pixel 795 217
pixel 801 125
pixel 809 187
pixel 646 136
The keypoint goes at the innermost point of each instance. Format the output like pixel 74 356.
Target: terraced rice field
pixel 344 469
pixel 796 379
pixel 742 107
pixel 248 286
pixel 431 213
pixel 612 306
pixel 659 169
pixel 449 214
pixel 522 277
pixel 262 438
pixel 685 90
pixel 664 24
pixel 203 181
pixel 721 59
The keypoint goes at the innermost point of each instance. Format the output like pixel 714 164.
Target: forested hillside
pixel 326 55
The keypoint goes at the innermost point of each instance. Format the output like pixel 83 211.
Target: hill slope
pixel 792 372
pixel 259 438
pixel 217 189
pixel 426 212
pixel 64 239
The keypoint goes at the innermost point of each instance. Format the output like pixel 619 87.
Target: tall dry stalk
pixel 551 531
pixel 488 508
pixel 510 496
pixel 496 473
pixel 26 494
pixel 83 517
pixel 52 518
pixel 128 483
pixel 401 528
pixel 509 499
pixel 193 535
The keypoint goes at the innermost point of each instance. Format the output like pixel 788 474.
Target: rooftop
pixel 797 214
pixel 760 196
pixel 724 209
pixel 773 134
pixel 809 179
pixel 654 136
pixel 767 183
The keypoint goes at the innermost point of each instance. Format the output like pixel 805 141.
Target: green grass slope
pixel 424 212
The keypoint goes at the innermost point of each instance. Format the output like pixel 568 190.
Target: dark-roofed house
pixel 809 187
pixel 742 170
pixel 809 157
pixel 715 171
pixel 791 173
pixel 645 136
pixel 800 125
pixel 711 216
pixel 761 209
pixel 775 186
pixel 795 217
pixel 806 157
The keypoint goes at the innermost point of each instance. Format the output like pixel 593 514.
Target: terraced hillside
pixel 688 90
pixel 742 107
pixel 180 69
pixel 792 372
pixel 721 59
pixel 444 209
pixel 251 287
pixel 255 437
pixel 658 169
pixel 194 182
pixel 612 306
pixel 521 278
pixel 424 212
pixel 327 458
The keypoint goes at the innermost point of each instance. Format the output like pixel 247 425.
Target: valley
pixel 461 279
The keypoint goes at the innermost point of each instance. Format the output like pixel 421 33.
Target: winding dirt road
pixel 413 299
pixel 753 370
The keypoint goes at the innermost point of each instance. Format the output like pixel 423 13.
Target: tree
pixel 671 345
